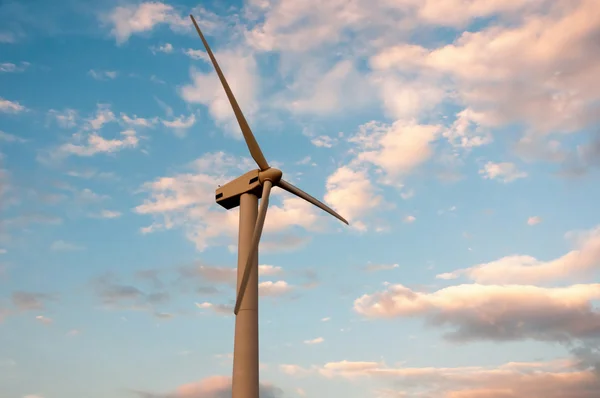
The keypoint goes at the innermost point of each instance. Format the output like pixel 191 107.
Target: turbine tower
pixel 244 192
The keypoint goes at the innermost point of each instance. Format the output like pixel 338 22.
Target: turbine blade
pixel 300 193
pixel 255 151
pixel 260 222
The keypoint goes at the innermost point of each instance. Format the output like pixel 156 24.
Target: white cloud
pixel 317 340
pixel 197 54
pixel 326 93
pixel 8 106
pixel 493 312
pixel 187 201
pixel 206 89
pixel 397 148
pixel 61 245
pixel 107 214
pixel 381 267
pixel 180 124
pixel 292 370
pixel 44 320
pixel 133 19
pixel 269 270
pixel 166 48
pixel 103 116
pixel 270 288
pixel 410 219
pixel 102 74
pixel 95 144
pixel 577 263
pixel 534 220
pixel 67 118
pixel 323 141
pixel 7 37
pixel 504 171
pixel 8 67
pixel 139 121
pixel 11 138
pixel 513 74
pixel 560 378
pixel 222 309
pixel 352 194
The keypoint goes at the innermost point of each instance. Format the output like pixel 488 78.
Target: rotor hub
pixel 271 174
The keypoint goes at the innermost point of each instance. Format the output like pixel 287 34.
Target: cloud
pixel 186 201
pixel 166 48
pixel 525 73
pixel 115 295
pixel 270 288
pixel 494 312
pixel 381 267
pixel 102 74
pixel 11 138
pixel 66 118
pixel 410 219
pixel 8 106
pixel 395 149
pixel 7 37
pixel 94 144
pixel 505 172
pixel 8 67
pixel 323 141
pixel 180 124
pixel 221 309
pixel 269 270
pixel 197 54
pixel 292 370
pixel 102 116
pixel 132 19
pixel 206 273
pixel 44 320
pixel 240 69
pixel 352 194
pixel 138 121
pixel 534 220
pixel 27 301
pixel 326 93
pixel 317 340
pixel 61 245
pixel 580 263
pixel 554 379
pixel 212 387
pixel 107 214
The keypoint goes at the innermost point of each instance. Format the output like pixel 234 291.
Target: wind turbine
pixel 244 192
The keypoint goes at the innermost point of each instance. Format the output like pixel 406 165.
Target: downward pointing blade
pixel 255 151
pixel 300 193
pixel 260 222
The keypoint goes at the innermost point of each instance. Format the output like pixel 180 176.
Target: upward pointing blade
pixel 300 193
pixel 260 222
pixel 255 151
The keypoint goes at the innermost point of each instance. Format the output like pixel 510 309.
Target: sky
pixel 460 138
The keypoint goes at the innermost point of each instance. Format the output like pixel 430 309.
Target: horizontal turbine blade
pixel 260 222
pixel 300 193
pixel 255 151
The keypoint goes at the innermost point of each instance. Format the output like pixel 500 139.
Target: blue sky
pixel 460 139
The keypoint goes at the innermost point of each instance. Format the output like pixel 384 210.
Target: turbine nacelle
pixel 229 194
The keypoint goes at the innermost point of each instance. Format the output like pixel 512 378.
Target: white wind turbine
pixel 245 191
